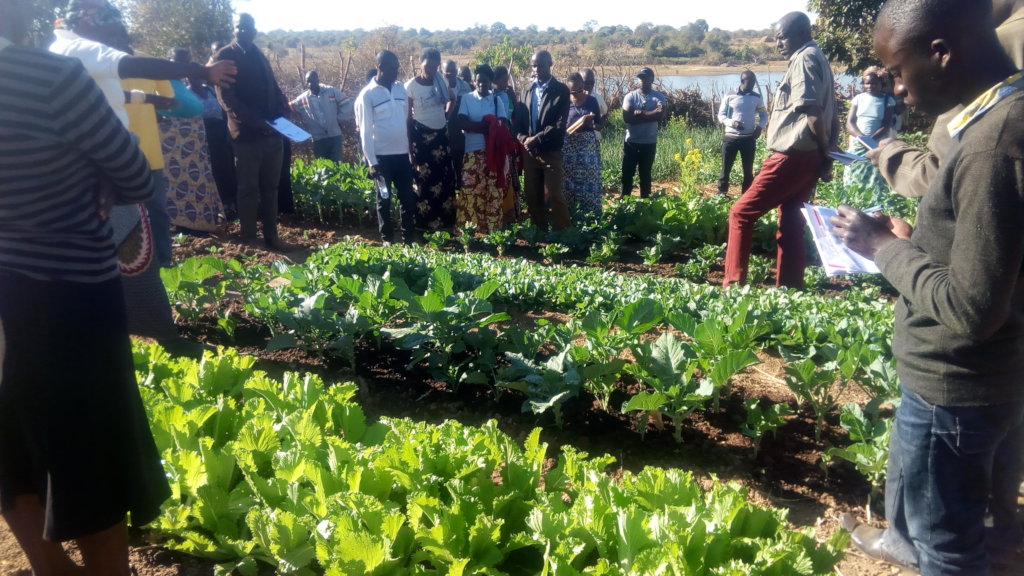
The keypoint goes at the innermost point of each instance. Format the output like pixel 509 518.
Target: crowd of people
pixel 101 151
pixel 453 144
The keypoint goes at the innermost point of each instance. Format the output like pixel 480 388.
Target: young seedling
pixel 554 252
pixel 466 235
pixel 529 233
pixel 668 365
pixel 437 240
pixel 817 387
pixel 761 420
pixel 500 239
pixel 869 448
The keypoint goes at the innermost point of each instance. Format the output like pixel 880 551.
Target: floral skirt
pixel 434 178
pixel 581 157
pixel 192 198
pixel 480 199
pixel 864 174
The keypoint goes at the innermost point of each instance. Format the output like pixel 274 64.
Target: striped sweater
pixel 58 141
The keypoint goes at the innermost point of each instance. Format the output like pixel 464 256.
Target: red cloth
pixel 499 144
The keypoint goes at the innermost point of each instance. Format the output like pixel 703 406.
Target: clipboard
pixel 289 129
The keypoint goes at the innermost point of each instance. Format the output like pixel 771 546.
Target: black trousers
pixel 258 170
pixel 637 158
pixel 222 161
pixel 397 173
pixel 730 146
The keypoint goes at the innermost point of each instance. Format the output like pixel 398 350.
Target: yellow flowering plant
pixel 690 164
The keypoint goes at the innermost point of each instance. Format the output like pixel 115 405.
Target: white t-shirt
pixel 428 103
pixel 475 107
pixel 100 62
pixel 871 111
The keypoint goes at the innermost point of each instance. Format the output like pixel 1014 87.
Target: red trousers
pixel 786 181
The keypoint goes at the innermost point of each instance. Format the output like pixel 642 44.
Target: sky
pixel 434 16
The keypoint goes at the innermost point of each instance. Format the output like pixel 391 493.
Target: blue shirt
pixel 590 106
pixel 871 111
pixel 643 132
pixel 538 93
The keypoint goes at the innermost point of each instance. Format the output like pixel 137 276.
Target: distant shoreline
pixel 721 70
pixel 661 70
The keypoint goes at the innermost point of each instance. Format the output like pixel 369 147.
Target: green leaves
pixel 639 316
pixel 546 385
pixel 763 419
pixel 284 484
pixel 817 387
pixel 327 191
pixel 668 365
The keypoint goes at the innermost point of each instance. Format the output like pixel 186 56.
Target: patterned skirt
pixel 434 178
pixel 581 157
pixel 192 199
pixel 864 174
pixel 480 199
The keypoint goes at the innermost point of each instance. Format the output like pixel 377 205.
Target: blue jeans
pixel 945 462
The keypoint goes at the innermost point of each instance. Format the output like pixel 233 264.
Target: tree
pixel 717 42
pixel 845 31
pixel 515 57
pixel 45 12
pixel 156 26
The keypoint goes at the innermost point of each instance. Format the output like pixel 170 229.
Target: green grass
pixel 676 137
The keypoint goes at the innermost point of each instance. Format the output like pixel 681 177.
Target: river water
pixel 718 84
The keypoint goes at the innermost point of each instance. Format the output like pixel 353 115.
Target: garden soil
pixel 787 473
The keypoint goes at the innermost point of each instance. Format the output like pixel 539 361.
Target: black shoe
pixel 868 539
pixel 278 245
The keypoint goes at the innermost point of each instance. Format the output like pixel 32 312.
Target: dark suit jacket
pixel 255 96
pixel 552 120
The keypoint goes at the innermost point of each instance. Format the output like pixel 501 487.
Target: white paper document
pixel 868 141
pixel 289 130
pixel 836 258
pixel 846 158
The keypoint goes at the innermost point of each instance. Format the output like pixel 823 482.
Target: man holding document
pixel 959 333
pixel 252 104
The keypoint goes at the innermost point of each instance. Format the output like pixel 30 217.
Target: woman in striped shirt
pixel 76 452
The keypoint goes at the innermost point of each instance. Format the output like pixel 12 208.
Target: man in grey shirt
pixel 323 110
pixel 642 109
